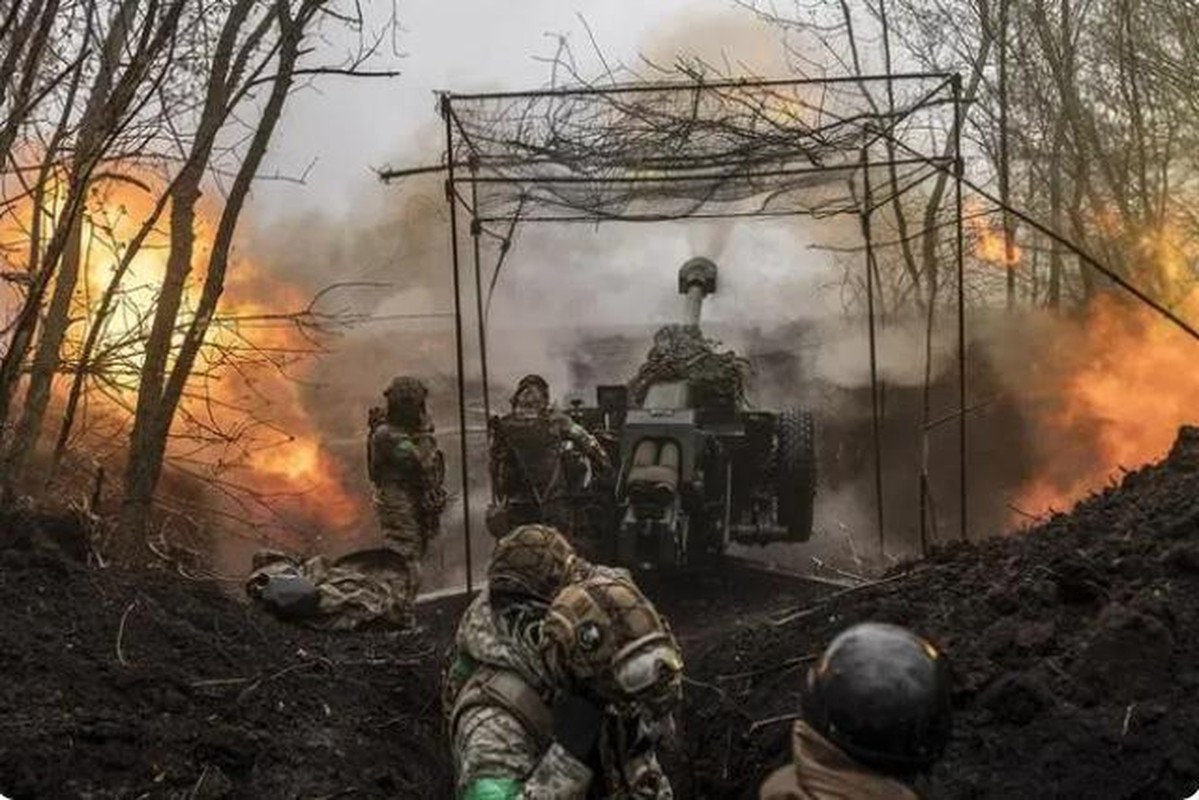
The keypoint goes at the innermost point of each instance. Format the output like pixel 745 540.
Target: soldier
pixel 408 472
pixel 527 569
pixel 567 701
pixel 535 461
pixel 876 714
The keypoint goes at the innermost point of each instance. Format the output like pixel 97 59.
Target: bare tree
pixel 259 47
pixel 132 49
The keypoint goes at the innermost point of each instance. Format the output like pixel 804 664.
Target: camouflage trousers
pixel 403 534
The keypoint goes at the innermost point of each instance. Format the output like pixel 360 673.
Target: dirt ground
pixel 1073 649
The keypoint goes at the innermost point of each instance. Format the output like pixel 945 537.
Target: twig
pixel 246 692
pixel 1026 514
pixel 218 682
pixel 199 783
pixel 809 610
pixel 121 633
pixel 763 723
pixel 781 666
pixel 1127 719
pixel 821 564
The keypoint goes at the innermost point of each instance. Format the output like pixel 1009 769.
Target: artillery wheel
pixel 795 472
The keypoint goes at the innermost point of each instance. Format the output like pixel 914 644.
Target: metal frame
pixel 953 164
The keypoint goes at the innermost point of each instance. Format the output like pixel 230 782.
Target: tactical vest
pixel 533 452
pixel 396 457
pixel 494 686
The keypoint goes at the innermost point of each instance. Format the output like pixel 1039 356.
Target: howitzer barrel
pixel 697 280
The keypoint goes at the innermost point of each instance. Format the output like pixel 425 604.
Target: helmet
pixel 603 636
pixel 532 381
pixel 405 400
pixel 881 694
pixel 532 562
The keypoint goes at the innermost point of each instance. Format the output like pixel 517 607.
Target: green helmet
pixel 532 563
pixel 606 639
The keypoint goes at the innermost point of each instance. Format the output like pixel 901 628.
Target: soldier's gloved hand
pixel 577 723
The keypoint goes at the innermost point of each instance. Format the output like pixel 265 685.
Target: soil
pixel 1076 669
pixel 1073 647
pixel 145 684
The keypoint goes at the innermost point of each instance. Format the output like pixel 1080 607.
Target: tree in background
pixel 165 101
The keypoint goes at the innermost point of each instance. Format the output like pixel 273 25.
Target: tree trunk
pixel 156 401
pixel 104 110
pixel 1054 299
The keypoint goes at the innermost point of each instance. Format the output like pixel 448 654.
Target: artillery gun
pixel 697 468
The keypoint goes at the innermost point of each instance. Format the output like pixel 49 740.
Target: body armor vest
pixel 397 457
pixel 533 451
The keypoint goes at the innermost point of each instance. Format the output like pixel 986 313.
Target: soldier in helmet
pixel 876 714
pixel 408 472
pixel 535 461
pixel 567 698
pixel 527 569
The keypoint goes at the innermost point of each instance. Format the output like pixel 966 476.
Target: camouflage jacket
pixel 398 458
pixel 820 771
pixel 502 743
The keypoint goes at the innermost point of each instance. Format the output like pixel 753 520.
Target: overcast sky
pixel 349 126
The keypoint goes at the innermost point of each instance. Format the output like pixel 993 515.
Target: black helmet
pixel 881 694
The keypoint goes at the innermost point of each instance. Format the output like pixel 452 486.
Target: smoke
pixel 578 304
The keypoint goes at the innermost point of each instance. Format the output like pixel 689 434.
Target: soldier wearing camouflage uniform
pixel 408 472
pixel 534 714
pixel 535 460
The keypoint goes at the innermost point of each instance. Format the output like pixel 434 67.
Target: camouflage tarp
pixel 681 353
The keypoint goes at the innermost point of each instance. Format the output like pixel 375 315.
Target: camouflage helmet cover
pixel 406 388
pixel 531 381
pixel 405 399
pixel 604 636
pixel 533 562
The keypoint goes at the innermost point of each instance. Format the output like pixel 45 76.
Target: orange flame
pixel 1123 389
pixel 282 459
pixel 987 241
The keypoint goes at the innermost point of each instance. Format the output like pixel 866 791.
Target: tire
pixel 795 472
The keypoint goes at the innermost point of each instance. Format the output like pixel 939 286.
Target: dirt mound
pixel 120 684
pixel 1076 666
pixel 1074 651
pixel 149 685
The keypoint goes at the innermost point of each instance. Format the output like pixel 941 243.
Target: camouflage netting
pixel 681 353
pixel 656 150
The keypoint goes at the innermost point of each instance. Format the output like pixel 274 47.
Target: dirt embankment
pixel 122 685
pixel 1074 648
pixel 1074 652
pixel 149 685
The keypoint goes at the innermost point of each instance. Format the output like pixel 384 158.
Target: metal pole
pixel 959 169
pixel 874 390
pixel 450 198
pixel 476 230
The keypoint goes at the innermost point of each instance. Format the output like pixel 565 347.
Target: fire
pixel 1123 386
pixel 986 240
pixel 259 435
